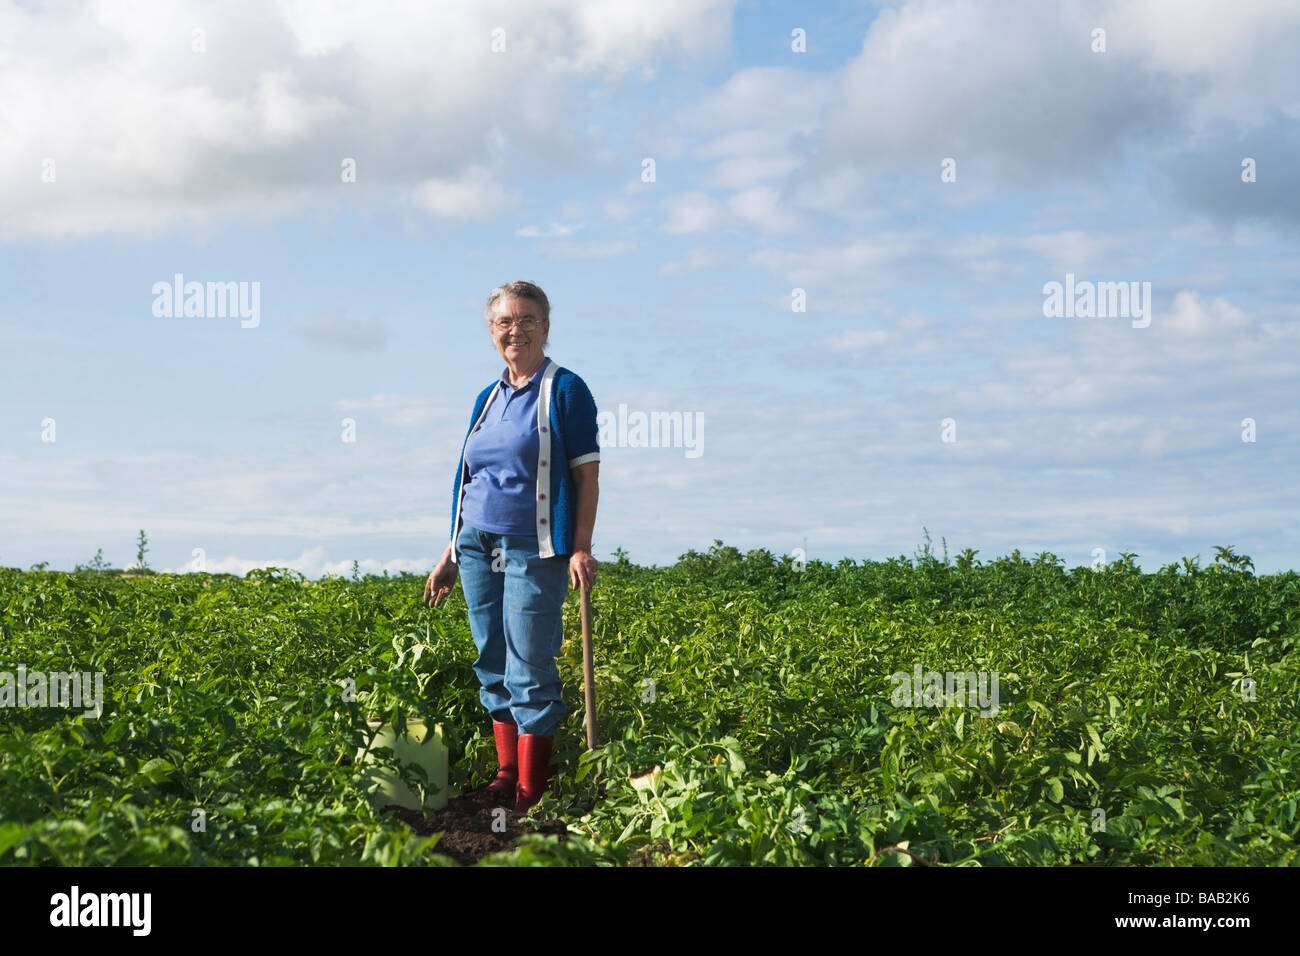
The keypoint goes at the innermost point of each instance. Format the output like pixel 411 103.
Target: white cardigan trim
pixel 545 543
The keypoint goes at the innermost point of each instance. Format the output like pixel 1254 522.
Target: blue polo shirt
pixel 501 454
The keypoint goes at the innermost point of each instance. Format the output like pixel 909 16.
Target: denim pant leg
pixel 535 589
pixel 484 596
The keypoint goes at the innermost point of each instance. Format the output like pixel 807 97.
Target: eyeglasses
pixel 527 323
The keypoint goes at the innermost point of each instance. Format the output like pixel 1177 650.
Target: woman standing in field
pixel 523 510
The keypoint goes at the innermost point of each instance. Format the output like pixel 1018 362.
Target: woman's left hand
pixel 582 569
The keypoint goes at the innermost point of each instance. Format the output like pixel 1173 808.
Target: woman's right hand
pixel 441 581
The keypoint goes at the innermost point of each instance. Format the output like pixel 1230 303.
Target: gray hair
pixel 523 290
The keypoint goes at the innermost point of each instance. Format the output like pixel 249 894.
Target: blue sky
pixel 133 148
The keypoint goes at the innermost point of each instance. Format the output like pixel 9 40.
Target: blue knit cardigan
pixel 566 433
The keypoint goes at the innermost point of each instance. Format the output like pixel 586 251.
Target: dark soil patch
pixel 467 825
pixel 660 853
pixel 648 854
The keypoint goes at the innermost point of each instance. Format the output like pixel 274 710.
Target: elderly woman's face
pixel 520 342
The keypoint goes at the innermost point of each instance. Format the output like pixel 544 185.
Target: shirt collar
pixel 505 375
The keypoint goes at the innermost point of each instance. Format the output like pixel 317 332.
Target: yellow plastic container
pixel 415 746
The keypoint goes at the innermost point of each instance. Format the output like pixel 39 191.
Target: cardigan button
pixel 543 521
pixel 543 428
pixel 541 496
pixel 543 463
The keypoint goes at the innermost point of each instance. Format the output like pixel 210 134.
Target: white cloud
pixel 617 210
pixel 607 249
pixel 855 340
pixel 146 133
pixel 1069 250
pixel 1236 64
pixel 311 562
pixel 549 232
pixel 1193 317
pixel 755 124
pixel 616 37
pixel 761 106
pixel 473 195
pixel 860 261
pixel 762 207
pixel 744 172
pixel 691 212
pixel 399 410
pixel 1015 92
pixel 745 143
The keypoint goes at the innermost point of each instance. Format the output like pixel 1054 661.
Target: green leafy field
pixel 769 715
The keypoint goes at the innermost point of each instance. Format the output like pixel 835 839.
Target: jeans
pixel 515 615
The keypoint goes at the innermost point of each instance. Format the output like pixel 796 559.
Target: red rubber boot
pixel 504 785
pixel 534 769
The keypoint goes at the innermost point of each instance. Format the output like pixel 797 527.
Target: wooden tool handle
pixel 588 669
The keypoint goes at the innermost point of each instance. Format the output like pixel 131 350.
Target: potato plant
pixel 745 704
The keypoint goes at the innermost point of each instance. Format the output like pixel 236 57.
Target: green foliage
pixel 744 704
pixel 141 549
pixel 97 563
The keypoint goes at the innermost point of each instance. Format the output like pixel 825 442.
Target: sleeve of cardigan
pixel 579 421
pixel 460 464
pixel 455 500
